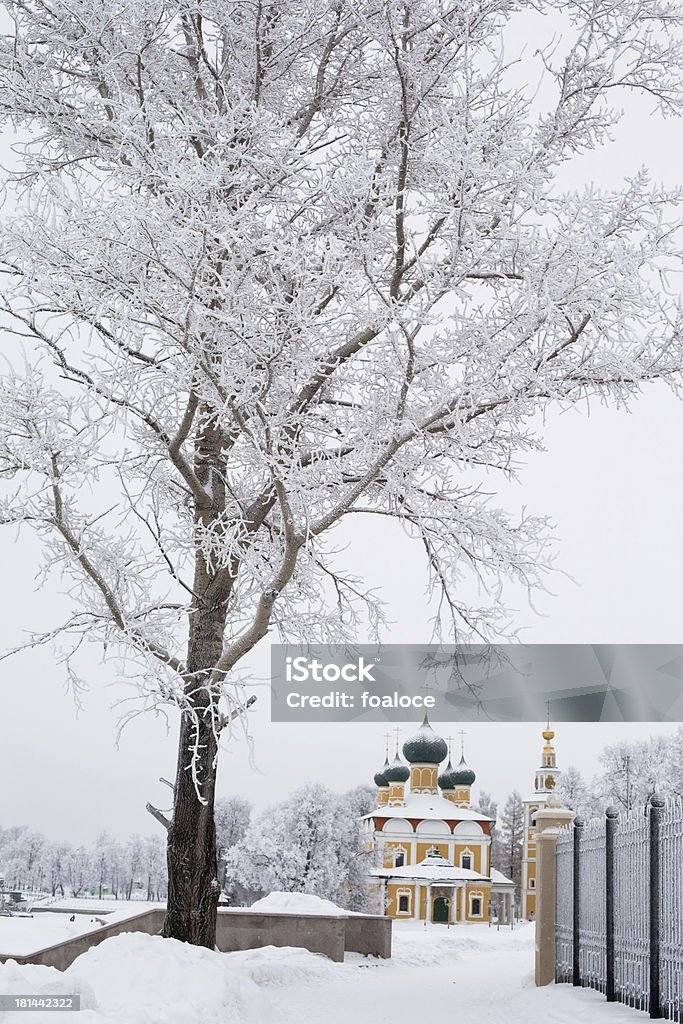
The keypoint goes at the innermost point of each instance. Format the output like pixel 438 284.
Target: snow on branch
pixel 265 276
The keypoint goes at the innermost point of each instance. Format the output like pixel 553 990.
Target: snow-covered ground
pixel 20 936
pixel 471 973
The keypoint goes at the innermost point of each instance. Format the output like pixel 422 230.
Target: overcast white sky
pixel 611 481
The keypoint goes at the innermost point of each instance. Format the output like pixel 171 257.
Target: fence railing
pixel 619 907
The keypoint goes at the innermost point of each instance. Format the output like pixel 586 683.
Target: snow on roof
pixel 433 869
pixel 499 878
pixel 428 805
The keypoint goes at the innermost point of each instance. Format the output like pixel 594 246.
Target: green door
pixel 441 909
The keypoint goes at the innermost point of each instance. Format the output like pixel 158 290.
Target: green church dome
pixel 397 771
pixel 447 777
pixel 425 747
pixel 381 776
pixel 463 774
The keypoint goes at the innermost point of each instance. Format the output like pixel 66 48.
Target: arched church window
pixel 404 900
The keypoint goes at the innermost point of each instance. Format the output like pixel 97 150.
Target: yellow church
pixel 433 850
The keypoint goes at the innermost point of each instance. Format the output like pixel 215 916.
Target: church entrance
pixel 441 909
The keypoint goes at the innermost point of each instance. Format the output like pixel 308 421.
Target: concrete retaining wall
pixel 240 929
pixel 368 934
pixel 237 929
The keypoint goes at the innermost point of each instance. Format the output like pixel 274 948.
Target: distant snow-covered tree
pixel 511 837
pixel 270 268
pixel 360 801
pixel 132 864
pixel 153 867
pixel 233 814
pixel 574 792
pixel 309 843
pixel 488 806
pixel 77 870
pixel 633 772
pixel 290 847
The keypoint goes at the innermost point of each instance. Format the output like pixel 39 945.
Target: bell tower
pixel 544 784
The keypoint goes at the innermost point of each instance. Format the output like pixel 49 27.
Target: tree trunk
pixel 193 888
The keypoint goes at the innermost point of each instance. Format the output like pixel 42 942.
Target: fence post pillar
pixel 549 821
pixel 656 806
pixel 611 816
pixel 576 915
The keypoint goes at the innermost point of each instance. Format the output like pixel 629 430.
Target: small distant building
pixel 544 784
pixel 433 850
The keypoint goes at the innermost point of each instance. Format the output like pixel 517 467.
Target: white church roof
pixel 428 805
pixel 432 869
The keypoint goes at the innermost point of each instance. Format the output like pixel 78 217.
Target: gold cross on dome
pixel 462 735
pixel 387 737
pixel 547 708
pixel 398 733
pixel 450 741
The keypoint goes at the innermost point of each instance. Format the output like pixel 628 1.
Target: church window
pixel 404 902
pixel 466 860
pixel 476 903
pixel 532 883
pixel 399 859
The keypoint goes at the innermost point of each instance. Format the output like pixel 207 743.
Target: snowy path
pixel 479 974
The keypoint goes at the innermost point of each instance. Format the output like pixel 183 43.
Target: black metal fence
pixel 619 907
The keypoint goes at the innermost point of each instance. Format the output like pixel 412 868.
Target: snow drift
pixel 144 979
pixel 297 903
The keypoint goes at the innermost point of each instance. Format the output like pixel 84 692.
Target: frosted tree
pixel 574 792
pixel 269 268
pixel 361 800
pixel 675 764
pixel 290 847
pixel 22 859
pixel 309 843
pixel 77 870
pixel 487 805
pixel 510 833
pixel 634 772
pixel 354 855
pixel 153 866
pixel 100 863
pixel 232 815
pixel 132 862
